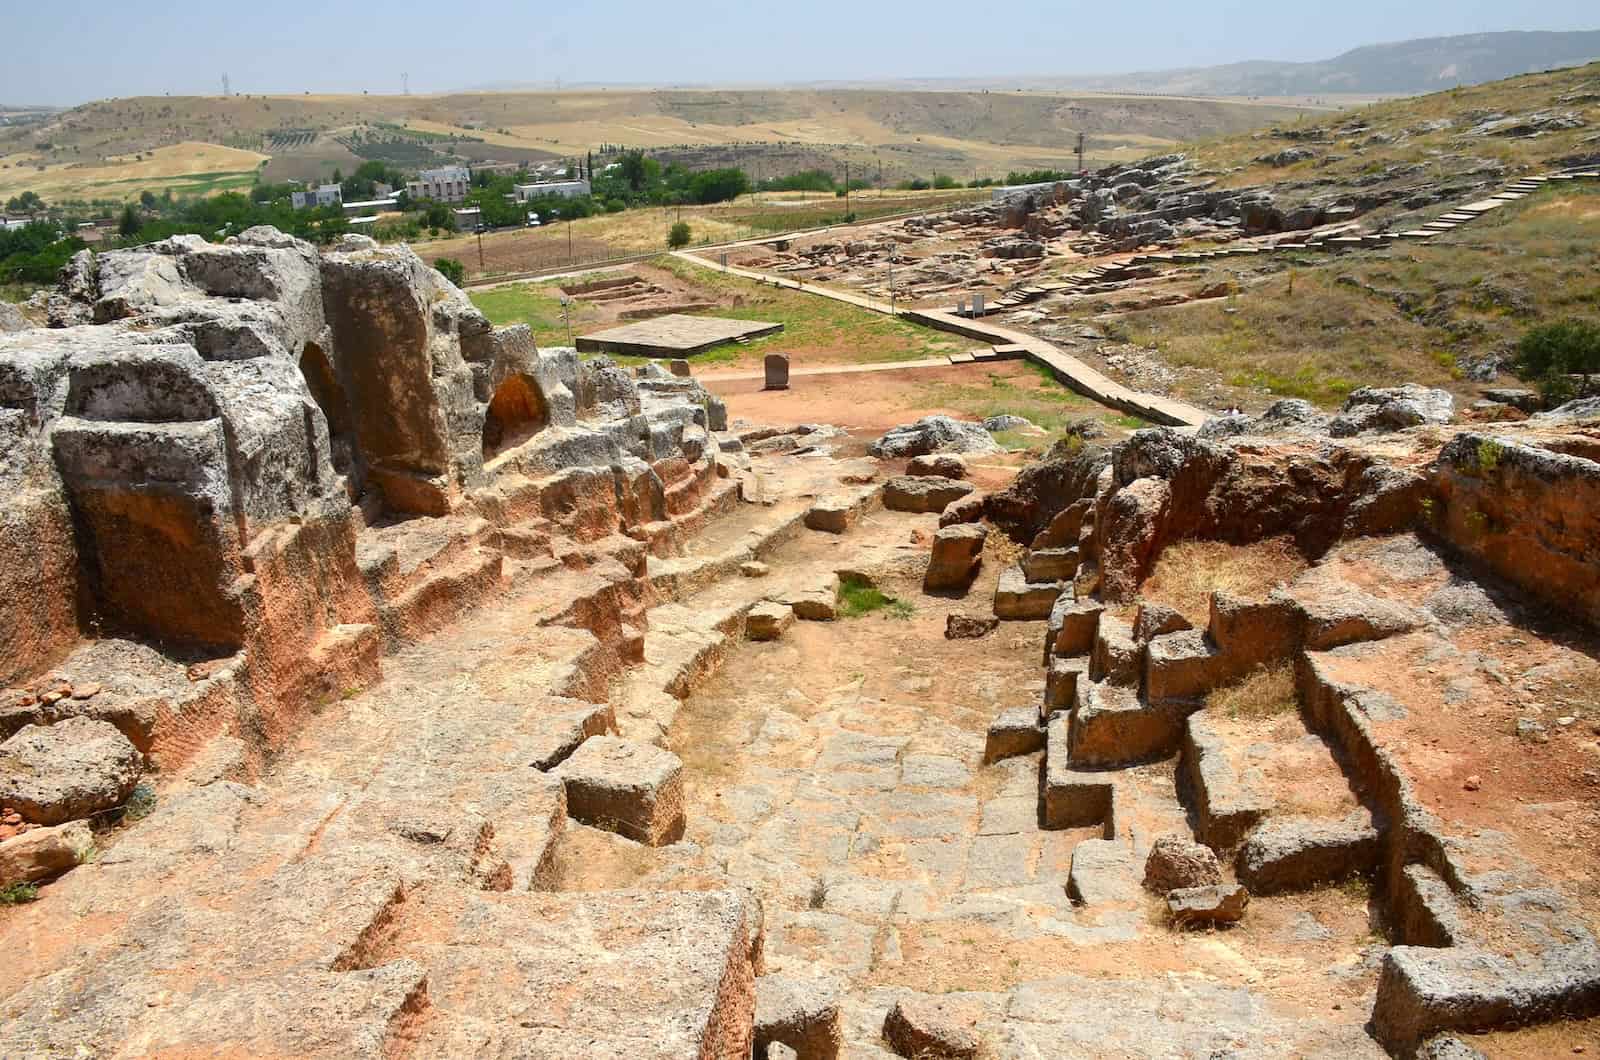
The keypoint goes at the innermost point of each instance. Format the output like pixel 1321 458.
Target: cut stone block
pixel 1116 656
pixel 957 555
pixel 968 509
pixel 1288 855
pixel 1050 564
pixel 1017 600
pixel 1155 620
pixel 832 514
pixel 816 605
pixel 1183 665
pixel 933 1028
pixel 1111 727
pixel 633 789
pixel 1073 624
pixel 1346 615
pixel 923 493
pixel 1254 633
pixel 768 620
pixel 1225 808
pixel 1215 904
pixel 1061 684
pixel 1015 732
pixel 938 465
pixel 801 1014
pixel 1104 872
pixel 1423 991
pixel 1073 798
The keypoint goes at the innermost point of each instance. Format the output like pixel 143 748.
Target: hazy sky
pixel 69 51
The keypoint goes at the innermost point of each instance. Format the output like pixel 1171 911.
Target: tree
pixel 718 185
pixel 130 222
pixel 452 270
pixel 678 236
pixel 27 202
pixel 635 169
pixel 1560 357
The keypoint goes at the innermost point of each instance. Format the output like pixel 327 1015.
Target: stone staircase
pixel 1291 802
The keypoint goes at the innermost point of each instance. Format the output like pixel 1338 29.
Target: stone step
pixel 1017 599
pixel 396 557
pixel 1225 808
pixel 440 593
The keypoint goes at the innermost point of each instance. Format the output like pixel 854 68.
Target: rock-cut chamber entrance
pixel 517 412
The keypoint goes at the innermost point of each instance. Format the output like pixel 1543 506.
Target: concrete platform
pixel 675 335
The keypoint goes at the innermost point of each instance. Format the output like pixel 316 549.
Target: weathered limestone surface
pixel 66 771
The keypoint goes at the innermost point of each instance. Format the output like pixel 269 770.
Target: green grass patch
pixel 822 328
pixel 858 599
pixel 18 894
pixel 537 305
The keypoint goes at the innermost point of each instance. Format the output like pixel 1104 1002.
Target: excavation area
pixel 383 681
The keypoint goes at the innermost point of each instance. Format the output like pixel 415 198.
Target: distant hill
pixel 1405 68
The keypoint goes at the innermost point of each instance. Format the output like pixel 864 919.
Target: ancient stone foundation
pixel 382 685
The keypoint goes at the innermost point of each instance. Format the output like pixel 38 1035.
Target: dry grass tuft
pixel 1001 550
pixel 1267 692
pixel 1188 572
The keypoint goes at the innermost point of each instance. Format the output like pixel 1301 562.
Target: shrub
pixel 452 270
pixel 18 894
pixel 1551 355
pixel 678 235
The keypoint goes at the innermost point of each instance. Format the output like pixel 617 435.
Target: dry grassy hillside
pixel 905 132
pixel 1442 313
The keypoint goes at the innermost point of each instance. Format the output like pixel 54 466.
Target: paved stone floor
pixel 838 772
pixel 674 335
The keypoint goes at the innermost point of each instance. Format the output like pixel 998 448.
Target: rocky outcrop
pixel 329 452
pixel 934 434
pixel 1372 409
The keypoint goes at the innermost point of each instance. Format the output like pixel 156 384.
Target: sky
pixel 72 51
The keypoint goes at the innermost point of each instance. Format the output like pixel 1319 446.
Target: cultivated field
pixel 645 230
pixel 187 168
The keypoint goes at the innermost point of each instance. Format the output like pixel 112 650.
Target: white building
pixel 446 184
pixel 566 189
pixel 321 195
pixel 371 206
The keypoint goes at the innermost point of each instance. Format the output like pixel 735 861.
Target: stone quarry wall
pixel 1528 511
pixel 202 450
